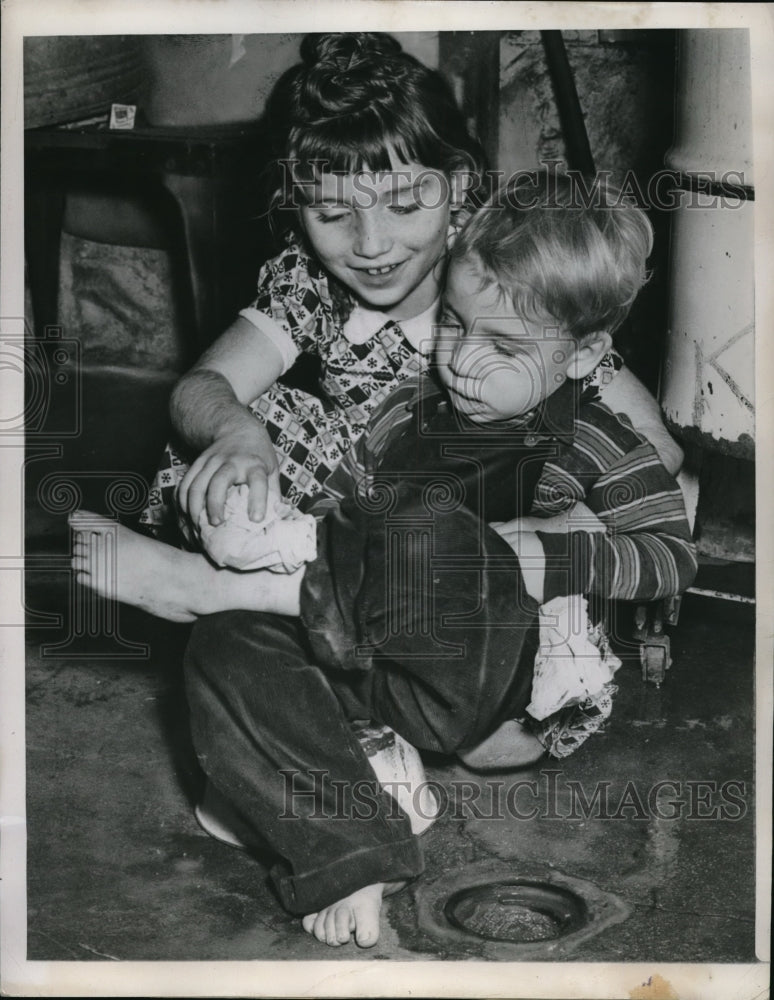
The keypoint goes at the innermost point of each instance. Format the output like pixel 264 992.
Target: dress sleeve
pixel 647 550
pixel 293 305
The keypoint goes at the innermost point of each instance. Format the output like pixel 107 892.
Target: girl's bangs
pixel 356 143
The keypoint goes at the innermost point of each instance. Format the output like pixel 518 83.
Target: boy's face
pixel 495 364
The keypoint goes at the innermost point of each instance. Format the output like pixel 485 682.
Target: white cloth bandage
pixel 282 542
pixel 570 666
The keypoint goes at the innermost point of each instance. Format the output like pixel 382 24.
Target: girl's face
pixel 382 234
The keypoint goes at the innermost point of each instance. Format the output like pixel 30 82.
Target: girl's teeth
pixel 379 270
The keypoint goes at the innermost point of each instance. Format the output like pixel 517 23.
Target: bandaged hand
pixel 282 542
pixel 235 458
pixel 574 662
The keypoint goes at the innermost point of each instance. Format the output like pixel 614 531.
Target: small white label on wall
pixel 122 116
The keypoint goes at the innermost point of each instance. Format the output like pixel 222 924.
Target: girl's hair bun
pixel 343 52
pixel 345 73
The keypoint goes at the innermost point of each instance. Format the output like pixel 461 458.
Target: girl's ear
pixel 461 182
pixel 589 353
pixel 300 226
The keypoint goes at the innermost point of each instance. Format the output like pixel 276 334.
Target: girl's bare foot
pixel 357 914
pixel 121 565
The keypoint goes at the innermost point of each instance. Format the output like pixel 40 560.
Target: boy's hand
pixel 233 459
pixel 529 549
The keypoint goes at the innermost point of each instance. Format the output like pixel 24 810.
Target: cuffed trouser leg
pixel 271 734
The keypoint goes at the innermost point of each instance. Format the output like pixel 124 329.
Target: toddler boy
pixel 417 614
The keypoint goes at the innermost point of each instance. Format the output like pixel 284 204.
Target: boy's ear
pixel 589 353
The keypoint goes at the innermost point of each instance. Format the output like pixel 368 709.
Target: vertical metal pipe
pixel 576 139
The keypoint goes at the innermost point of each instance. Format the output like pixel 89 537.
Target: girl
pixel 376 169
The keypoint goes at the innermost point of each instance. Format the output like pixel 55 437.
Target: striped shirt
pixel 646 551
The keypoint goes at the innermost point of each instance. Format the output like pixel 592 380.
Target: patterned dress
pixel 310 433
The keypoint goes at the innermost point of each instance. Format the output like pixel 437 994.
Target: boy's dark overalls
pixel 414 615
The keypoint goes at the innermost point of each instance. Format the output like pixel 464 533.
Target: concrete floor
pixel 119 869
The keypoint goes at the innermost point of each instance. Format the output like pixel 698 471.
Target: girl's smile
pixel 376 272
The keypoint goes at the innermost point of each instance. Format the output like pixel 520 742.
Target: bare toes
pixel 343 924
pixel 366 936
pixel 85 523
pixel 320 927
pixel 331 928
pixel 366 939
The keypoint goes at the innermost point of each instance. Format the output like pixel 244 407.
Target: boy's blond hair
pixel 561 250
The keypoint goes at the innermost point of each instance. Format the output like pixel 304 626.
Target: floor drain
pixel 515 912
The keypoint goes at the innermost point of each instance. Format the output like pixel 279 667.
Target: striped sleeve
pixel 646 551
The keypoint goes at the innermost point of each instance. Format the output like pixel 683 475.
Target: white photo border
pixel 362 978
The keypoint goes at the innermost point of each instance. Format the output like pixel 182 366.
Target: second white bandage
pixel 282 542
pixel 572 664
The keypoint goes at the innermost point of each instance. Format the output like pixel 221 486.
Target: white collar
pixel 362 324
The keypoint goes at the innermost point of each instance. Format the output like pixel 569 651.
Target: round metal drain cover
pixel 518 911
pixel 514 911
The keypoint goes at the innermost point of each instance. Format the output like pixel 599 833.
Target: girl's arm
pixel 521 535
pixel 209 411
pixel 626 394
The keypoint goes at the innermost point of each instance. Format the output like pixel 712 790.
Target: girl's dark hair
pixel 353 99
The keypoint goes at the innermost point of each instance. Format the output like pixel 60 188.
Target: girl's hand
pixel 529 549
pixel 520 534
pixel 577 518
pixel 209 410
pixel 235 458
